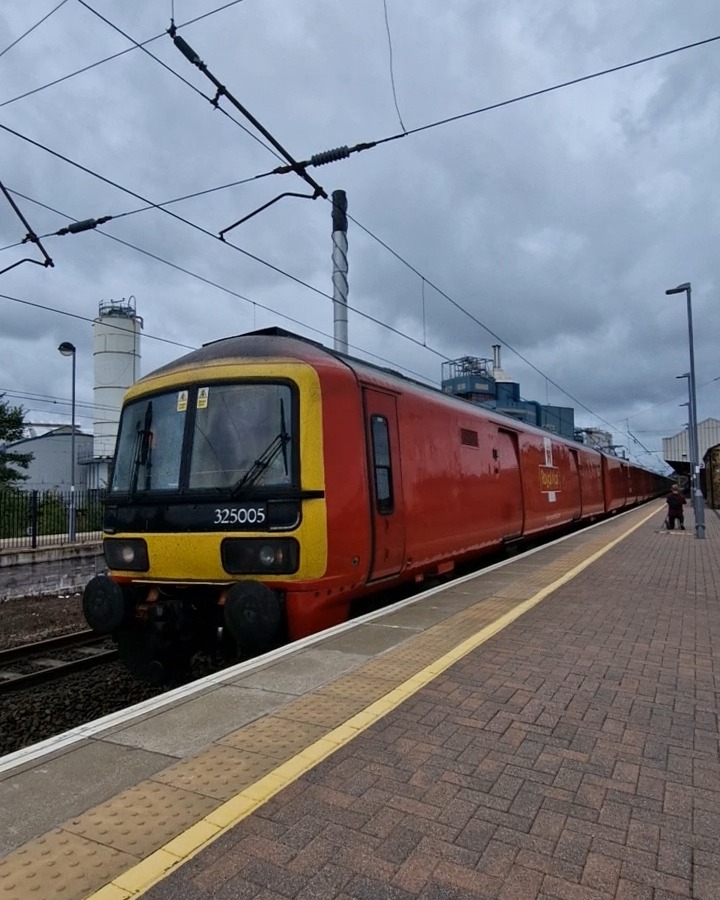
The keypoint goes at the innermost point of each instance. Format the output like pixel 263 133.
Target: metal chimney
pixel 498 373
pixel 340 270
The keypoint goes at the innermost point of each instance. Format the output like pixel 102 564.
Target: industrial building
pixel 483 381
pixel 49 469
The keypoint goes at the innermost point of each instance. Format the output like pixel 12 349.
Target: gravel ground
pixel 23 621
pixel 30 716
pixel 27 717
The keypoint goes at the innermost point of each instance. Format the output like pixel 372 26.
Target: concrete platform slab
pixel 190 726
pixel 75 781
pixel 302 672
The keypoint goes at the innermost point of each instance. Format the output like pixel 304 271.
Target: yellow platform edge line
pixel 141 877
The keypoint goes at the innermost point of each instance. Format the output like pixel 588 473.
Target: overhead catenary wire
pixel 222 288
pixel 399 257
pixel 547 90
pixel 343 152
pixel 474 112
pixel 390 328
pixel 120 53
pixel 72 315
pixel 390 62
pixel 168 68
pixel 214 236
pixel 50 398
pixel 89 224
pixel 369 145
pixel 152 205
pixel 32 28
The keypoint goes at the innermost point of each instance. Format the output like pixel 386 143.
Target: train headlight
pixel 258 556
pixel 129 555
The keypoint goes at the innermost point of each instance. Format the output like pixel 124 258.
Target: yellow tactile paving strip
pixel 119 849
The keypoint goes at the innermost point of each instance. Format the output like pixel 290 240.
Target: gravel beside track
pixel 30 716
pixel 30 619
pixel 33 715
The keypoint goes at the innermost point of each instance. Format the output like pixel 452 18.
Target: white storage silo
pixel 116 352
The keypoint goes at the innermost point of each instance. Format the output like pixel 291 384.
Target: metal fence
pixel 42 518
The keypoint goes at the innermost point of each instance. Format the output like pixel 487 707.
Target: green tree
pixel 52 514
pixel 12 424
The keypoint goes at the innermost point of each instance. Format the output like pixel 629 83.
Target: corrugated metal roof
pixel 676 448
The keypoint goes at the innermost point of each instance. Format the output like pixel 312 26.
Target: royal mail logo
pixel 549 479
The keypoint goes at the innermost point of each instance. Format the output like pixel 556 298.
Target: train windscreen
pixel 236 436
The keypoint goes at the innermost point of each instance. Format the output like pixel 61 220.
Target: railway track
pixel 32 664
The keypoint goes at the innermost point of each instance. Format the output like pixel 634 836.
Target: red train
pixel 263 483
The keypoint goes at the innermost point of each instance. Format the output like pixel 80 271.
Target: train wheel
pixel 252 616
pixel 104 605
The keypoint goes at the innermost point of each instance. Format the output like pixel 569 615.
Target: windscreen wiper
pixel 142 453
pixel 277 446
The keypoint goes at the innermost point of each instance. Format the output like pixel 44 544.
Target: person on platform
pixel 675 502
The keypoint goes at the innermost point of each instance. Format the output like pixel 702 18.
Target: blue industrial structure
pixel 483 381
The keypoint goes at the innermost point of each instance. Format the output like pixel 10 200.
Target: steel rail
pixel 49 669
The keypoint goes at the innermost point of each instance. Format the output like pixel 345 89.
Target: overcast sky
pixel 552 225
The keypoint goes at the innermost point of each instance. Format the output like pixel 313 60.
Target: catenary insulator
pixel 328 156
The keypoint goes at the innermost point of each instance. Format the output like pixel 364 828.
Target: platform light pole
pixel 68 349
pixel 697 497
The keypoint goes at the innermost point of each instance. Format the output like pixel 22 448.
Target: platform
pixel 545 729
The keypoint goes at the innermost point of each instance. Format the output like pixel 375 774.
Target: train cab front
pixel 215 510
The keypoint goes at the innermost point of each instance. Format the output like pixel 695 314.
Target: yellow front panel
pixel 195 556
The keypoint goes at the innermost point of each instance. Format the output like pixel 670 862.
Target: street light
pixel 68 349
pixel 697 497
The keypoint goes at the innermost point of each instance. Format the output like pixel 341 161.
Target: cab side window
pixel 382 464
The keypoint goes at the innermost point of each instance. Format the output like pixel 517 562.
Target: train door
pixel 387 512
pixel 511 507
pixel 577 485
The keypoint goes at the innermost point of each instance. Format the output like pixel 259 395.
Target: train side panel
pixel 551 483
pixel 591 483
pixel 457 476
pixel 614 484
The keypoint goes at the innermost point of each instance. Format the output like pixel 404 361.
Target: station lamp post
pixel 68 349
pixel 697 497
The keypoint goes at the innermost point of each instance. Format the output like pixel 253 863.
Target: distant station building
pixel 676 450
pixel 483 381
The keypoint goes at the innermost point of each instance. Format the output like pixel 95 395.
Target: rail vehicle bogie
pixel 263 484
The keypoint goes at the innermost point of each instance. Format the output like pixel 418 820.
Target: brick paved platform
pixel 573 756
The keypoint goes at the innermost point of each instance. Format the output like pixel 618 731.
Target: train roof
pixel 252 344
pixel 274 342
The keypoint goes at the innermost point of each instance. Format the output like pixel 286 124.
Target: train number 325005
pixel 240 515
